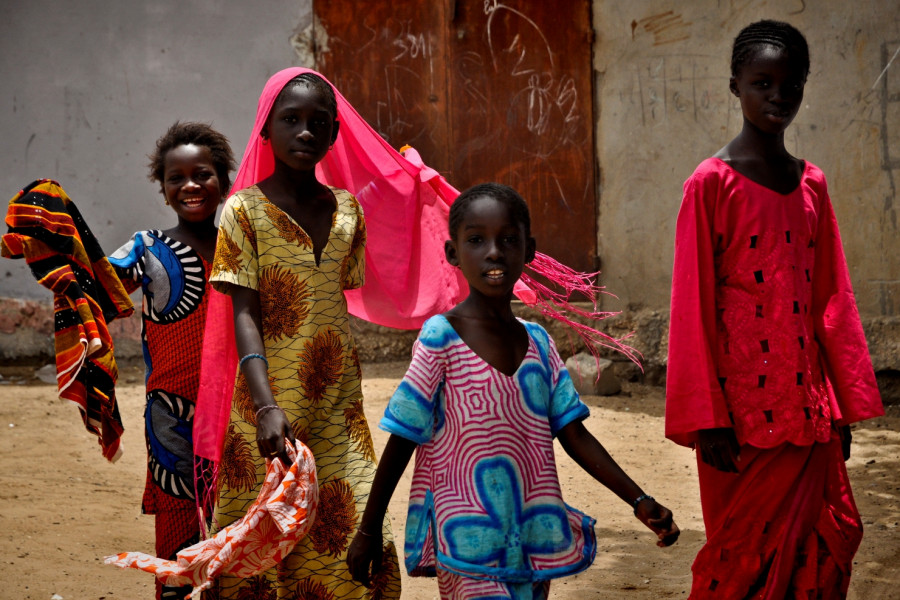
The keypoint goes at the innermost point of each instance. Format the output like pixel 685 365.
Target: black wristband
pixel 640 499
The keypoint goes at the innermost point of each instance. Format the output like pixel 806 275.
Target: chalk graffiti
pixel 490 97
pixel 683 84
pixel 411 45
pixel 469 69
pixel 543 100
pixel 543 94
pixel 491 8
pixel 395 117
pixel 890 132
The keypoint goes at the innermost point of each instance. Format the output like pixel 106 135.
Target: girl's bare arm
pixel 272 425
pixel 364 554
pixel 591 456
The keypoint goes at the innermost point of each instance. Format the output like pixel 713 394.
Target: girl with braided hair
pixel 768 364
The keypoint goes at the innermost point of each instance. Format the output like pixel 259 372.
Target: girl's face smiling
pixel 301 127
pixel 190 183
pixel 770 88
pixel 490 248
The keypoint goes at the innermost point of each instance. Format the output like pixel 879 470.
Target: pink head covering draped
pixel 406 206
pixel 408 280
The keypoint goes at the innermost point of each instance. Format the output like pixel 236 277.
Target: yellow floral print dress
pixel 315 377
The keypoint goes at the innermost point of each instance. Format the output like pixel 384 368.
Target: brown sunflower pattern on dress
pixel 315 363
pixel 310 589
pixel 284 306
pixel 287 229
pixel 301 432
pixel 320 364
pixel 237 462
pixel 335 518
pixel 243 400
pixel 243 222
pixel 358 429
pixel 381 581
pixel 354 357
pixel 257 588
pixel 227 256
pixel 359 237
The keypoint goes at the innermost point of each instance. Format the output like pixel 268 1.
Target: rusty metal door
pixel 485 90
pixel 389 60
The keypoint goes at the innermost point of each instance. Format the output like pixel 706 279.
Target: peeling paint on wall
pixel 311 37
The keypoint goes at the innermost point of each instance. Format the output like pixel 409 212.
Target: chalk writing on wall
pixel 661 87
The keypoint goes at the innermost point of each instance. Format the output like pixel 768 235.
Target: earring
pixel 265 141
pixel 166 201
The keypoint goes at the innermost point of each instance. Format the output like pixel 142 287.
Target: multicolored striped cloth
pixel 46 229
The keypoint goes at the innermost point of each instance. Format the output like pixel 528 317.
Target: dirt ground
pixel 63 508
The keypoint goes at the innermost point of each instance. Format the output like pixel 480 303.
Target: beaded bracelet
pixel 265 408
pixel 640 499
pixel 249 356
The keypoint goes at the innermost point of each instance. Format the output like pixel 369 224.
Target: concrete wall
pixel 662 73
pixel 88 90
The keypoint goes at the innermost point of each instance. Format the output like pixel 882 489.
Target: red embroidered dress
pixel 765 336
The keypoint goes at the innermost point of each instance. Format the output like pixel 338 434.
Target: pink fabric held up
pixel 406 205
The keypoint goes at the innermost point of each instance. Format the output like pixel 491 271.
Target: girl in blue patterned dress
pixel 481 403
pixel 192 162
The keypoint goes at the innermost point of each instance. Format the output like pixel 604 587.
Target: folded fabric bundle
pixel 47 230
pixel 280 516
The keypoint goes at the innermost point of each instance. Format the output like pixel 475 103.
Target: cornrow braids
pixel 311 80
pixel 198 134
pixel 774 33
pixel 504 194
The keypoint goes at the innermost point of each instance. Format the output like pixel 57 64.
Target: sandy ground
pixel 63 508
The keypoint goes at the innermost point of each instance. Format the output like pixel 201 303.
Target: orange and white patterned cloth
pixel 281 515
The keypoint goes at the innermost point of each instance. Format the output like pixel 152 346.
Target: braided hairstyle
pixel 198 134
pixel 774 33
pixel 312 80
pixel 504 194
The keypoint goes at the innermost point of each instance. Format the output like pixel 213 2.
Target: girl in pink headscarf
pixel 288 248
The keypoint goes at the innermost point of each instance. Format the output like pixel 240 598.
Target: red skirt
pixel 786 526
